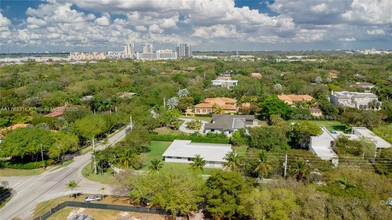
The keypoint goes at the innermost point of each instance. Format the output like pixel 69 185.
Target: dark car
pixel 145 201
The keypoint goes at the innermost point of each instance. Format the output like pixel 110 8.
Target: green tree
pixel 91 126
pixel 178 192
pixel 268 138
pixel 62 143
pixel 276 204
pixel 263 167
pixel 300 170
pixel 71 114
pixel 233 162
pixel 26 143
pixel 273 106
pixel 238 137
pixel 72 185
pixel 301 133
pixel 155 166
pixel 223 190
pixel 198 163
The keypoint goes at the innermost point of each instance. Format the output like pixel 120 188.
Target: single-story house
pixel 183 151
pixel 208 105
pixel 363 85
pixel 322 145
pixel 228 124
pixel 224 82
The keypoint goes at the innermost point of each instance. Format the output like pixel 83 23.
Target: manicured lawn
pixel 88 173
pixel 20 172
pixel 241 150
pixel 330 125
pixel 157 149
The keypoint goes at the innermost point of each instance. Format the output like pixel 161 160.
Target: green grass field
pixel 88 173
pixel 330 125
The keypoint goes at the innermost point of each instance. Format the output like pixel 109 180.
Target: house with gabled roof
pixel 292 99
pixel 208 105
pixel 228 124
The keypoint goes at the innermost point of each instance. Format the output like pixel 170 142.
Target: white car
pixel 92 198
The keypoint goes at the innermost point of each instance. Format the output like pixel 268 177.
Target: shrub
pixel 27 166
pixel 193 138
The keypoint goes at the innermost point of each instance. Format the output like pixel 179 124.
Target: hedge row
pixel 27 166
pixel 198 139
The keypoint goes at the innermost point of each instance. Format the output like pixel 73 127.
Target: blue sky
pixel 95 25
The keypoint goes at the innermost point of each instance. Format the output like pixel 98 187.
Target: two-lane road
pixel 30 190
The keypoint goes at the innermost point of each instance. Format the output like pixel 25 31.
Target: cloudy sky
pixel 103 25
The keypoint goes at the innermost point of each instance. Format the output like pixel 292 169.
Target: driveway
pixel 189 131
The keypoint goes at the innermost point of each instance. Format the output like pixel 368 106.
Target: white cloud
pixel 377 31
pixel 201 22
pixel 103 21
pixel 370 12
pixel 347 39
pixel 5 32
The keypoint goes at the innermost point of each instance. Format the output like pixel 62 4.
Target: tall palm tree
pixel 155 166
pixel 233 162
pixel 300 170
pixel 263 166
pixel 198 163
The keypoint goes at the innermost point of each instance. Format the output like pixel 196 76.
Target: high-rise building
pixel 184 51
pixel 148 48
pixel 129 50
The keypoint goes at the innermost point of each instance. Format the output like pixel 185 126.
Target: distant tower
pixel 184 50
pixel 148 48
pixel 129 50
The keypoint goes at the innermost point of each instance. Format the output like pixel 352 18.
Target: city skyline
pixel 227 25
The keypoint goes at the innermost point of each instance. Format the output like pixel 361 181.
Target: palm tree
pixel 263 167
pixel 198 163
pixel 233 162
pixel 155 166
pixel 72 185
pixel 345 183
pixel 300 170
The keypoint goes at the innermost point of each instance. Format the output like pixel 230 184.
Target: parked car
pixel 92 198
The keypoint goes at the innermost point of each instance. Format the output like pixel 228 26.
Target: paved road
pixel 49 185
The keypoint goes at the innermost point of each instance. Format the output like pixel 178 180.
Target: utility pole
pixel 42 155
pixel 285 167
pixel 164 102
pixel 95 161
pixel 130 122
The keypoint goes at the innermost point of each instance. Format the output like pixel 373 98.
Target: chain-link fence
pixel 88 205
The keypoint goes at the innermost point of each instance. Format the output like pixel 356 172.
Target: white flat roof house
pixel 183 151
pixel 368 134
pixel 321 145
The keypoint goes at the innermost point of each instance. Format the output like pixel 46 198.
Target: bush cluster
pixel 199 139
pixel 27 166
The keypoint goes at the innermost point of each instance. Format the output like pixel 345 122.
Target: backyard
pixel 330 125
